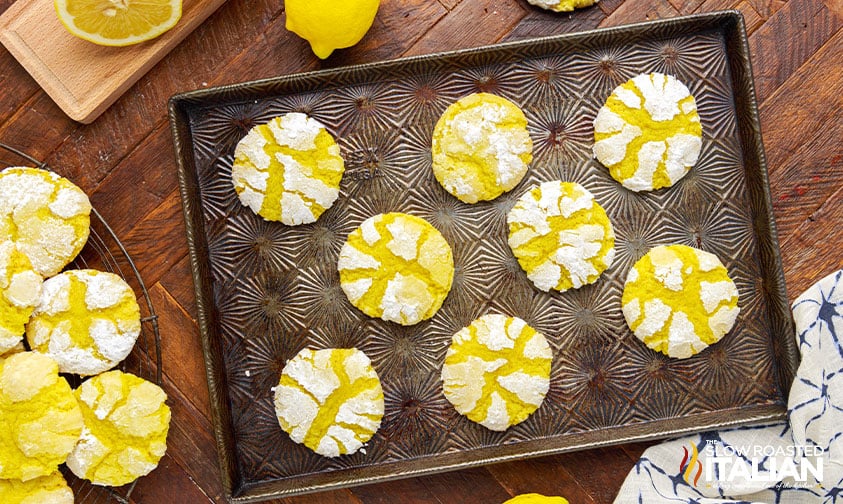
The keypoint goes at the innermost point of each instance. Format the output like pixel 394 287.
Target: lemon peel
pixel 328 25
pixel 648 134
pixel 87 320
pixel 330 400
pixel 118 22
pixel 561 236
pixel 481 147
pixel 679 300
pixel 45 215
pixel 497 371
pixel 125 432
pixel 288 169
pixel 52 489
pixel 397 267
pixel 41 420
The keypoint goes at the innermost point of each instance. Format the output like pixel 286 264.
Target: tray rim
pixel 733 25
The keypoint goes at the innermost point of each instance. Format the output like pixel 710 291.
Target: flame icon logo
pixel 686 467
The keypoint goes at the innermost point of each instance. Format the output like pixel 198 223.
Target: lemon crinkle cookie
pixel 86 320
pixel 40 418
pixel 562 5
pixel 396 267
pixel 288 170
pixel 20 286
pixel 126 421
pixel 679 300
pixel 534 498
pixel 648 134
pixel 561 236
pixel 50 489
pixel 497 371
pixel 329 400
pixel 481 147
pixel 46 215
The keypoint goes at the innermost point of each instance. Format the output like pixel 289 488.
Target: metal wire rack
pixel 105 252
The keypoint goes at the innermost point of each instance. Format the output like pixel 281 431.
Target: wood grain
pixel 83 78
pixel 125 161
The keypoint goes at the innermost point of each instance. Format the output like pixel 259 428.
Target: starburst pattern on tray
pixel 682 58
pixel 544 79
pixel 424 97
pixel 219 197
pixel 268 302
pixel 596 415
pixel 396 349
pixel 653 376
pixel 719 174
pixel 612 196
pixel 589 313
pixel 715 106
pixel 372 161
pixel 708 226
pixel 416 415
pixel 321 296
pixel 219 129
pixel 321 241
pixel 454 219
pixel 594 372
pixel 306 103
pixel 485 78
pixel 340 333
pixel 562 133
pixel 599 71
pixel 635 234
pixel 256 244
pixel 540 310
pixel 363 105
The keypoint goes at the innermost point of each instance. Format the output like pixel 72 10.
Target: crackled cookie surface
pixel 481 147
pixel 20 288
pixel 46 215
pixel 50 489
pixel 288 170
pixel 329 400
pixel 125 432
pixel 40 418
pixel 86 320
pixel 648 134
pixel 497 371
pixel 679 300
pixel 561 5
pixel 561 236
pixel 396 267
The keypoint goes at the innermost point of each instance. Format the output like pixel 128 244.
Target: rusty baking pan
pixel 265 290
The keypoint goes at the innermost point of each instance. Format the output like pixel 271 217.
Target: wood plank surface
pixel 125 161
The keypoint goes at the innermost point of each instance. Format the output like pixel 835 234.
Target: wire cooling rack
pixel 105 252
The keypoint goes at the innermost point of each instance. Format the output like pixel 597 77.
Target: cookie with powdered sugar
pixel 288 170
pixel 87 320
pixel 561 5
pixel 679 300
pixel 481 147
pixel 20 288
pixel 45 215
pixel 648 134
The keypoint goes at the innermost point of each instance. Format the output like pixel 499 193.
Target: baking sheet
pixel 266 290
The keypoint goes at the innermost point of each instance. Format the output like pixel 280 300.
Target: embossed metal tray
pixel 265 290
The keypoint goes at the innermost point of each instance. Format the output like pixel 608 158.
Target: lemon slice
pixel 118 22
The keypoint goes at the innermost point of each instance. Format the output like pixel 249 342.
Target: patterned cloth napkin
pixel 798 461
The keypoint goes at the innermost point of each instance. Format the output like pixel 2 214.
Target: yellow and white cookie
pixel 46 215
pixel 648 134
pixel 40 418
pixel 561 5
pixel 20 288
pixel 497 371
pixel 534 498
pixel 679 300
pixel 329 400
pixel 50 489
pixel 561 236
pixel 86 320
pixel 481 147
pixel 288 170
pixel 125 432
pixel 396 267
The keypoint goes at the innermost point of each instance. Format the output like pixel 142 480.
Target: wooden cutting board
pixel 83 78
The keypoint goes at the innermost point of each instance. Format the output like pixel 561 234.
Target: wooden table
pixel 125 161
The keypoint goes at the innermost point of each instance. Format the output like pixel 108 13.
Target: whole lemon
pixel 330 24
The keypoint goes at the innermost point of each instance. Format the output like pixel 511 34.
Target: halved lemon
pixel 118 22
